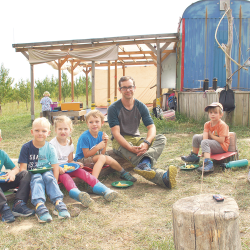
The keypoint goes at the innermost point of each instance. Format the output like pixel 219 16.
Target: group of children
pixel 40 154
pixel 91 149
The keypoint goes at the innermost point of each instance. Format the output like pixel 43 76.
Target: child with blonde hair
pixel 40 154
pixel 92 146
pixel 46 101
pixel 65 149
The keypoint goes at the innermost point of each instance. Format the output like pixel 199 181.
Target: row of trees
pixel 20 91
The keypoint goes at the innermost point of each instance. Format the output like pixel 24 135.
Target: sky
pixel 30 21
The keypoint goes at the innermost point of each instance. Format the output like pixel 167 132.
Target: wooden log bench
pixel 200 222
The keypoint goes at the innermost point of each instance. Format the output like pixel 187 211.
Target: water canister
pixel 239 163
pixel 205 85
pixel 214 83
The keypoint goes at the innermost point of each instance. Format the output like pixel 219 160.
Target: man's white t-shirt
pixel 62 151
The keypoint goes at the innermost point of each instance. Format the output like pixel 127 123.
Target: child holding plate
pixel 65 149
pixel 39 157
pixel 10 180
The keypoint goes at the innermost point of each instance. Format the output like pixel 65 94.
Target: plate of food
pixel 189 166
pixel 70 167
pixel 2 178
pixel 40 170
pixel 122 184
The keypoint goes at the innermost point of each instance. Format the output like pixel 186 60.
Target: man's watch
pixel 147 142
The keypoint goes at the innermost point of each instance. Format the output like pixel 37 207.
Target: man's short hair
pixel 95 113
pixel 41 121
pixel 126 78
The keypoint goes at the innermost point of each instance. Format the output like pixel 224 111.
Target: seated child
pixel 38 153
pixel 92 146
pixel 214 140
pixel 14 179
pixel 65 149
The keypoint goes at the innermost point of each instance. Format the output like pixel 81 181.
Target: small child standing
pixel 65 149
pixel 39 153
pixel 92 146
pixel 14 179
pixel 214 140
pixel 46 101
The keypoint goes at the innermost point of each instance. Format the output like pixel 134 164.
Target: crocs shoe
pixel 128 177
pixel 110 195
pixel 61 210
pixel 169 178
pixel 145 171
pixel 193 158
pixel 7 215
pixel 85 199
pixel 20 209
pixel 42 214
pixel 208 166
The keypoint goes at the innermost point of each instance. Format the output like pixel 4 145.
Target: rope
pixel 221 46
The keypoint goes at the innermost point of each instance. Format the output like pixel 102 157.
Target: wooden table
pixel 75 114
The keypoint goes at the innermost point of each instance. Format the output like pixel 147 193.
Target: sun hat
pixel 46 93
pixel 214 104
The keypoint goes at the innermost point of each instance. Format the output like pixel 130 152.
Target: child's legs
pixel 197 142
pixel 52 188
pixel 37 189
pixel 113 163
pixel 67 181
pixel 85 176
pixel 3 199
pixel 23 178
pixel 99 161
pixel 211 147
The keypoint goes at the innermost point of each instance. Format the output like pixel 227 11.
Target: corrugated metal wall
pixel 202 57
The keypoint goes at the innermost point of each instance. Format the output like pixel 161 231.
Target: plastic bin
pixel 169 115
pixel 54 105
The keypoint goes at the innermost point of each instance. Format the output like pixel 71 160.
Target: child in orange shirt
pixel 214 140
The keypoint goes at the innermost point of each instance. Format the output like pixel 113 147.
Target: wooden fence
pixel 192 104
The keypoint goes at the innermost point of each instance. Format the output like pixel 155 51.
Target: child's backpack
pixel 158 112
pixel 227 100
pixel 172 102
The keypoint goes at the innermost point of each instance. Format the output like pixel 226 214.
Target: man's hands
pixel 140 150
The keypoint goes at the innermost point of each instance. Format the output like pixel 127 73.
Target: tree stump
pixel 200 222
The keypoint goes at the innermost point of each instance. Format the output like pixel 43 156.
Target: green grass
pixel 141 218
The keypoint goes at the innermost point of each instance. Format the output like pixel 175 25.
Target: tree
pixel 66 86
pixel 5 85
pixel 24 91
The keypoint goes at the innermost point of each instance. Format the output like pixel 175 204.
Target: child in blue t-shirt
pixel 39 154
pixel 13 179
pixel 92 147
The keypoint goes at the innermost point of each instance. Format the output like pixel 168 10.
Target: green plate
pixel 40 170
pixel 125 184
pixel 184 167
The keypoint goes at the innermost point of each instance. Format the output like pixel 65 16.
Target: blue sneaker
pixel 145 171
pixel 193 158
pixel 61 210
pixel 42 214
pixel 169 178
pixel 128 177
pixel 208 166
pixel 6 213
pixel 20 209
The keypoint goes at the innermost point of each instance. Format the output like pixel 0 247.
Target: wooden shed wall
pixel 192 104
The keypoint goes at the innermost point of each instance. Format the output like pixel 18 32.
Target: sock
pixel 122 171
pixel 194 153
pixel 147 161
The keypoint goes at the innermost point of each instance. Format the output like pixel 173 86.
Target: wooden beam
pixel 72 81
pixel 80 46
pixel 115 82
pixel 167 54
pixel 25 54
pixel 87 87
pixel 32 90
pixel 60 81
pixel 109 72
pixel 123 69
pixel 158 90
pixel 152 48
pixel 135 57
pixel 164 46
pixel 75 65
pixel 93 86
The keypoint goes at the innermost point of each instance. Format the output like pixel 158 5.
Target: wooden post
pixel 32 99
pixel 93 86
pixel 115 84
pixel 60 81
pixel 240 52
pixel 123 69
pixel 158 89
pixel 108 100
pixel 200 222
pixel 87 88
pixel 72 81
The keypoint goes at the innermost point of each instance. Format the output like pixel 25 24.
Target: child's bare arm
pixel 205 135
pixel 219 139
pixel 56 170
pixel 23 166
pixel 87 153
pixel 11 175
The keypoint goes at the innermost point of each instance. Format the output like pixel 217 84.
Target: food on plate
pixel 67 167
pixel 189 166
pixel 119 184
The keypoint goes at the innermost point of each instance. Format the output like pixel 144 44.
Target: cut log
pixel 200 222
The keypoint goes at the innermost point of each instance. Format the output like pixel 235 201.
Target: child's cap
pixel 46 93
pixel 214 104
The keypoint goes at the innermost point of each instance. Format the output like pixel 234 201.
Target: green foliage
pixel 80 86
pixel 22 91
pixel 5 85
pixel 45 85
pixel 66 86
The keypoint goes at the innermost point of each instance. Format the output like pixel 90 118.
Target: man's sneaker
pixel 61 210
pixel 193 158
pixel 20 209
pixel 169 178
pixel 145 171
pixel 128 177
pixel 208 166
pixel 6 213
pixel 42 214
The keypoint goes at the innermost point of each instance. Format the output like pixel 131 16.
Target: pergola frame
pixel 133 50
